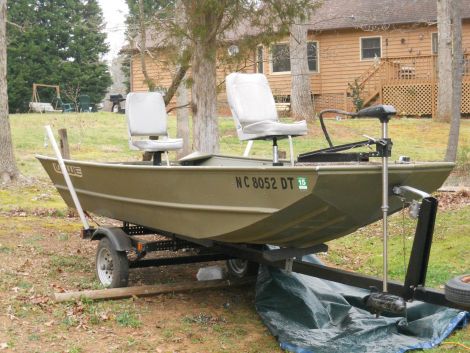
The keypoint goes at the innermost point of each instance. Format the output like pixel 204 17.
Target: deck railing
pixel 402 70
pixel 416 68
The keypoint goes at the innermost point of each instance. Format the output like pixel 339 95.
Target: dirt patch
pixel 42 255
pixel 454 200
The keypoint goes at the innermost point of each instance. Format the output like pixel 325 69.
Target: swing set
pixel 56 106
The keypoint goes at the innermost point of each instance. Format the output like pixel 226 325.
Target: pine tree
pixel 58 42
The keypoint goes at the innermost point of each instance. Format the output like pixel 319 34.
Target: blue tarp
pixel 311 315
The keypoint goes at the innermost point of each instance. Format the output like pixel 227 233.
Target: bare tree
pixel 72 92
pixel 207 23
pixel 206 27
pixel 301 94
pixel 444 59
pixel 8 168
pixel 457 72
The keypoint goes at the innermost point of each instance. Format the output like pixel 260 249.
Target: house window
pixel 435 47
pixel 312 56
pixel 280 58
pixel 371 47
pixel 259 59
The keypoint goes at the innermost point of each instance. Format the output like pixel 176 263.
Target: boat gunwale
pixel 319 168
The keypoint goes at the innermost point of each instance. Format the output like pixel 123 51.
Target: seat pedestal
pixel 157 158
pixel 276 153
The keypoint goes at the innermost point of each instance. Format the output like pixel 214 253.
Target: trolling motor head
pixel 382 112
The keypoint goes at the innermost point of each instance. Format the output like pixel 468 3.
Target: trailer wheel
pixel 112 266
pixel 457 290
pixel 241 268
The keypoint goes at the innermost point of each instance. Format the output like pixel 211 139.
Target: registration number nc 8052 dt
pixel 271 183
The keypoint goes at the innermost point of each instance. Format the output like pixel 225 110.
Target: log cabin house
pixel 386 49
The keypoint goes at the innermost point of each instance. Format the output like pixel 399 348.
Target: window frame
pixel 432 43
pixel 360 47
pixel 271 66
pixel 318 56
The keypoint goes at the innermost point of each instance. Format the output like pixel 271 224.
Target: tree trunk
pixel 457 72
pixel 301 96
pixel 143 48
pixel 182 113
pixel 182 119
pixel 444 59
pixel 8 169
pixel 204 97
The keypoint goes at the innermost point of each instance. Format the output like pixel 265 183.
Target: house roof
pixel 339 14
pixel 343 14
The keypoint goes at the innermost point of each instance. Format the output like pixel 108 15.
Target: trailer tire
pixel 112 266
pixel 239 268
pixel 457 290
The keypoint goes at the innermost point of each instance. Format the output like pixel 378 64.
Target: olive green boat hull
pixel 258 204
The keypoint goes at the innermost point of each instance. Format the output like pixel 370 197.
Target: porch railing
pixel 402 70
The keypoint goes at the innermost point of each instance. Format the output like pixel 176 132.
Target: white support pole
pixel 167 159
pixel 248 148
pixel 66 175
pixel 291 150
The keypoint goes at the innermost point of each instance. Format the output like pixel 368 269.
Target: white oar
pixel 66 175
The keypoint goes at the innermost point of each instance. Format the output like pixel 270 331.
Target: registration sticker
pixel 302 183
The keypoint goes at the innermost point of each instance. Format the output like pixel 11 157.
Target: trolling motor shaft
pixel 378 302
pixel 385 208
pixel 384 147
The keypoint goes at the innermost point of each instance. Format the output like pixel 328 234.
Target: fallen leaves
pixel 453 200
pixel 40 300
pixel 57 288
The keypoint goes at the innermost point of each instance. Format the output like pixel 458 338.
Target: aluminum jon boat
pixel 222 207
pixel 243 200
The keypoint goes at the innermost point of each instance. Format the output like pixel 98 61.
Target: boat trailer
pixel 123 240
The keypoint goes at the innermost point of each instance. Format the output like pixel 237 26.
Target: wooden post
pixel 64 144
pixel 127 292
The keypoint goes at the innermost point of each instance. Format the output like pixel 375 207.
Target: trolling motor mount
pixel 383 146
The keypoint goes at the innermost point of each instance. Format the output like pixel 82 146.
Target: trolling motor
pixel 384 148
pixel 377 302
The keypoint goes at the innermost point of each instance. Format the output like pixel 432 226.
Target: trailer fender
pixel 120 240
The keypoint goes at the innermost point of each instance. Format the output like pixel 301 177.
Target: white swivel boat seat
pixel 254 111
pixel 146 116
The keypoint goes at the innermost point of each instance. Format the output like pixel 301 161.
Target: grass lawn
pixel 40 251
